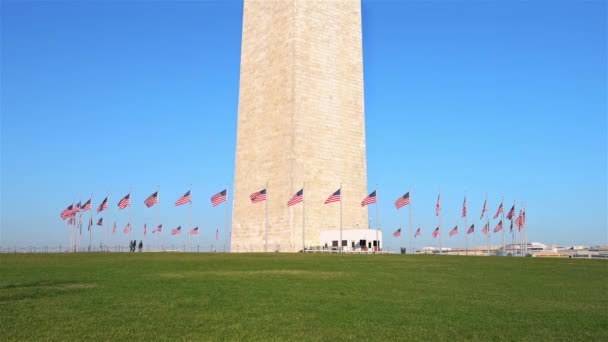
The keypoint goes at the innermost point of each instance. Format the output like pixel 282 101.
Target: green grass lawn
pixel 166 296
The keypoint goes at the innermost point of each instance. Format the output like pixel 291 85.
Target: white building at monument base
pixel 353 240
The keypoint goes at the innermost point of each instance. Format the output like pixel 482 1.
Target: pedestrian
pixel 141 245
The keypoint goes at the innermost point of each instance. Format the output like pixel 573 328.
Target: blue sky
pixel 498 97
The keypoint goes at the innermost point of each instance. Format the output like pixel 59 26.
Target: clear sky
pixel 507 98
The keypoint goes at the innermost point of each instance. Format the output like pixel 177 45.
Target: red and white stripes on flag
pixel 86 206
pixel 471 229
pixel 499 211
pixel 519 220
pixel 403 200
pixel 127 228
pixel 176 231
pixel 397 233
pixel 124 202
pixel 418 232
pixel 114 228
pixel 486 229
pixel 454 231
pixel 438 206
pixel 258 196
pixel 297 198
pixel 158 229
pixel 498 227
pixel 371 198
pixel 511 213
pixel 484 209
pixel 67 212
pixel 151 200
pixel 100 221
pixel 193 231
pixel 335 197
pixel 435 232
pixel 218 198
pixel 217 234
pixel 464 207
pixel 103 205
pixel 184 199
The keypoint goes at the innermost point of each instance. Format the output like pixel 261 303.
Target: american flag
pixel 124 202
pixel 498 227
pixel 519 220
pixel 511 226
pixel 145 230
pixel 471 229
pixel 511 213
pixel 158 229
pixel 523 218
pixel 103 205
pixel 464 207
pixel 485 208
pixel 438 206
pixel 184 199
pixel 371 198
pixel 151 200
pixel 454 231
pixel 86 206
pixel 258 196
pixel 71 220
pixel 67 212
pixel 100 222
pixel 176 231
pixel 217 234
pixel 436 232
pixel 76 208
pixel 127 228
pixel 486 229
pixel 297 198
pixel 418 232
pixel 499 211
pixel 335 197
pixel 114 228
pixel 397 233
pixel 403 200
pixel 90 223
pixel 218 198
pixel 194 231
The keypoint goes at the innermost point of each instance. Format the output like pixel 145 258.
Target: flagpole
pixel 91 216
pixel 303 218
pixel 266 223
pixel 466 232
pixel 521 232
pixel 226 227
pixel 108 227
pixel 90 228
pixel 440 237
pixel 377 226
pixel 525 230
pixel 190 210
pixel 512 232
pixel 410 212
pixel 457 238
pixel 341 217
pixel 130 226
pixel 504 250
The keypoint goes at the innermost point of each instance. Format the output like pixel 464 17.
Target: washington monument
pixel 301 123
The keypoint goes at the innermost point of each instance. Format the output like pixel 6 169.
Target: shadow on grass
pixel 39 289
